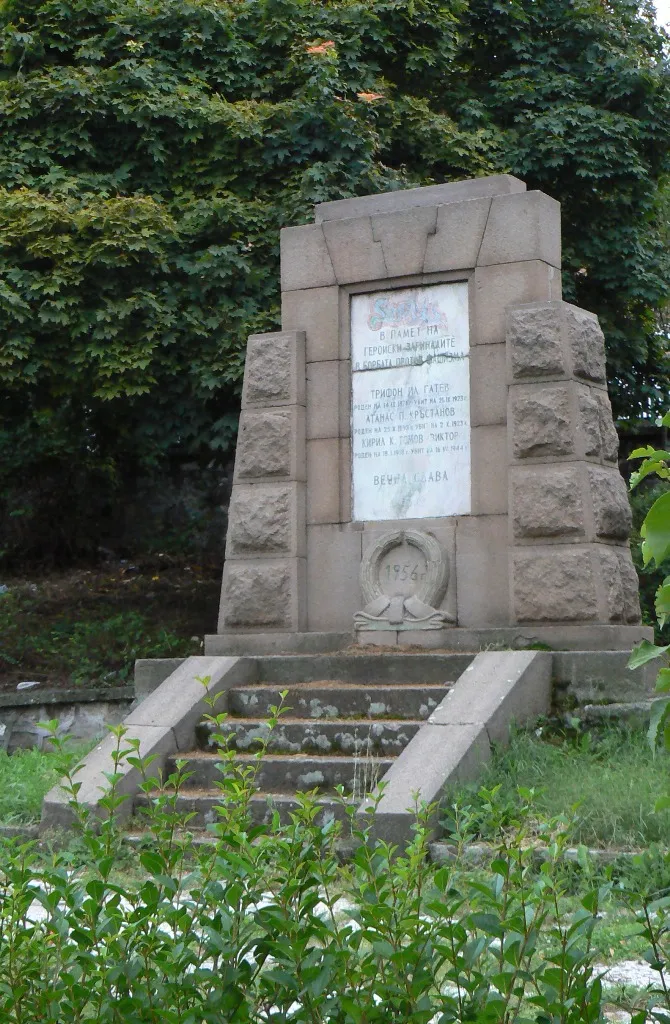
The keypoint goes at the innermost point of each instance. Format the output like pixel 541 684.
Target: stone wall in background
pixel 83 714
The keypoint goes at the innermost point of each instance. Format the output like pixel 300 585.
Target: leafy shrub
pixel 263 924
pixel 650 576
pixel 609 776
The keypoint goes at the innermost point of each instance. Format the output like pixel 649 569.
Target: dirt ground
pixel 50 624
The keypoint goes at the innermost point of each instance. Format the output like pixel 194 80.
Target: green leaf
pixel 656 531
pixel 645 652
pixel 662 602
pixel 660 713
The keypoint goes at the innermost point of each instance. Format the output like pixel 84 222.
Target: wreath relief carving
pixel 403 578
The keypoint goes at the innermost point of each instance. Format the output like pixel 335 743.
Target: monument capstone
pixel 426 451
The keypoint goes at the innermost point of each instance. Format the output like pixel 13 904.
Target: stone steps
pixel 288 772
pixel 300 735
pixel 201 805
pixel 334 733
pixel 336 699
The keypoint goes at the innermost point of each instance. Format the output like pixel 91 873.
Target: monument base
pixel 580 637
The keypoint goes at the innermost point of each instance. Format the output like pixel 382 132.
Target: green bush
pixel 610 776
pixel 650 576
pixel 263 924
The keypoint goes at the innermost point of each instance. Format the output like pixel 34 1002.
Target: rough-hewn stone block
pixel 263 519
pixel 609 439
pixel 630 585
pixel 619 583
pixel 534 339
pixel 264 443
pixel 541 421
pixel 556 585
pixel 587 344
pixel 256 594
pixel 546 502
pixel 598 431
pixel 589 415
pixel 274 372
pixel 611 583
pixel 611 509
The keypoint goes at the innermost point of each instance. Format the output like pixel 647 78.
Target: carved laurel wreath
pixel 433 588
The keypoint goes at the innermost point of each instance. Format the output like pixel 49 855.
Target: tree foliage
pixel 151 149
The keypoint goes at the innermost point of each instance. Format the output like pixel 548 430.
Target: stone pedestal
pixel 472 402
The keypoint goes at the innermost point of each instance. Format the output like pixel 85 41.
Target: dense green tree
pixel 151 149
pixel 580 90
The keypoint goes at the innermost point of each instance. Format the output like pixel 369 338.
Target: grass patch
pixel 611 775
pixel 27 775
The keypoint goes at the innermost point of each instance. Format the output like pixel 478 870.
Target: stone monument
pixel 426 452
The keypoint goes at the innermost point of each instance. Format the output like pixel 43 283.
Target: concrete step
pixel 201 806
pixel 333 698
pixel 290 773
pixel 387 737
pixel 362 666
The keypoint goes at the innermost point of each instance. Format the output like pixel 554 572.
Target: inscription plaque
pixel 411 403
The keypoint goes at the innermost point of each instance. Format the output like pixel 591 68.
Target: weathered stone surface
pixel 587 344
pixel 630 586
pixel 555 585
pixel 403 238
pixel 546 502
pixel 354 253
pixel 541 421
pixel 264 444
pixel 599 433
pixel 521 227
pixel 410 198
pixel 611 509
pixel 612 583
pixel 256 595
pixel 609 439
pixel 500 287
pixel 273 371
pixel 305 260
pixel 458 236
pixel 620 583
pixel 488 400
pixel 534 338
pixel 260 519
pixel 315 311
pixel 589 415
pixel 482 573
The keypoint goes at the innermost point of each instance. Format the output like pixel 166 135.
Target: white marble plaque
pixel 410 421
